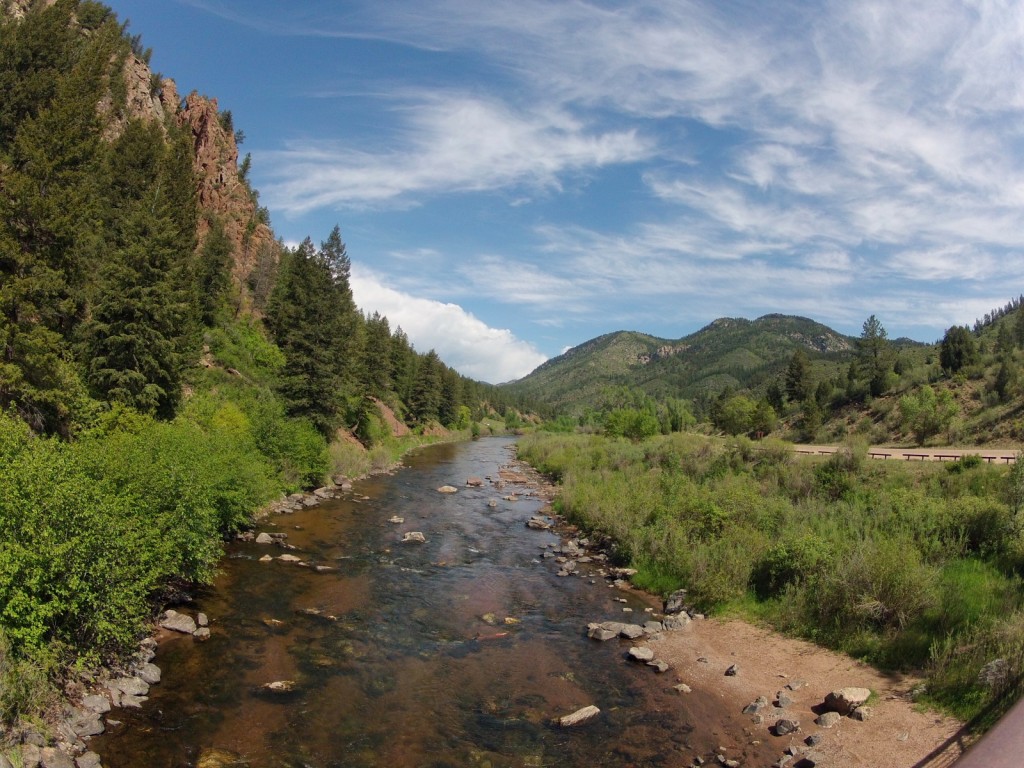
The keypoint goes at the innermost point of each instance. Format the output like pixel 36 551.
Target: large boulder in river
pixel 178 622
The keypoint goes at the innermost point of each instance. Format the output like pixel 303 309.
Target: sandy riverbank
pixel 897 736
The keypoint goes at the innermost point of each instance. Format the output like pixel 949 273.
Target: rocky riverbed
pixel 446 613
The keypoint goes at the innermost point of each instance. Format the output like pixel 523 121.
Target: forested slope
pixel 166 364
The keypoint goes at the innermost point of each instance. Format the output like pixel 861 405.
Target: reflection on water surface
pixel 401 655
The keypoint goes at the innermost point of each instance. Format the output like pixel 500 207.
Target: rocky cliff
pixel 221 193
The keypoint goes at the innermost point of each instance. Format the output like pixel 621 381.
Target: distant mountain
pixel 744 354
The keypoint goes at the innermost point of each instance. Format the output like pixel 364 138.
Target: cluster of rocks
pixel 573 552
pixel 96 695
pixel 280 539
pixel 198 627
pixel 844 702
pixel 675 618
pixel 296 501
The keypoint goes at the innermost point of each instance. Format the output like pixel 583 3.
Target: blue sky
pixel 513 179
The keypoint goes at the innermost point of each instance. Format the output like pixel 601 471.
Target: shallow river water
pixel 402 656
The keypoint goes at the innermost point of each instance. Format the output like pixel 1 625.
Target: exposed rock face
pixel 18 8
pixel 220 190
pixel 142 101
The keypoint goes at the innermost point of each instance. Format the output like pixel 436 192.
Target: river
pixel 454 652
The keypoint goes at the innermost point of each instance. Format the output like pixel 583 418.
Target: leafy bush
pixel 90 531
pixel 789 562
pixel 25 687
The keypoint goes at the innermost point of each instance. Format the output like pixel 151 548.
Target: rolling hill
pixel 729 352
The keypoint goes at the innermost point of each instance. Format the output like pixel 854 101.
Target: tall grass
pixel 914 567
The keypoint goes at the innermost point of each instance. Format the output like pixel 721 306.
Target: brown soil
pixel 398 429
pixel 898 735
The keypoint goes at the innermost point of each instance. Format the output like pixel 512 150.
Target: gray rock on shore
pixel 178 622
pixel 52 757
pixel 846 700
pixel 639 653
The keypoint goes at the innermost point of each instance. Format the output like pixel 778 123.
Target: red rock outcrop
pixel 221 191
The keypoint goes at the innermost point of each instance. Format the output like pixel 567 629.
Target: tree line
pixel 104 295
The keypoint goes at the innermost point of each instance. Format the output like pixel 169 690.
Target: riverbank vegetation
pixel 166 365
pixel 906 566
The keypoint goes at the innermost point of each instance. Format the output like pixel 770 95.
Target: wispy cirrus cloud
pixel 829 158
pixel 451 143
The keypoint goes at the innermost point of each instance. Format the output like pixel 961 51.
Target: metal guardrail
pixel 1002 746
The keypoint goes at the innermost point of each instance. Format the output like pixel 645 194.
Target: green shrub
pixel 25 688
pixel 882 585
pixel 789 562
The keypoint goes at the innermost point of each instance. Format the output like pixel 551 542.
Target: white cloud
pixel 464 342
pixel 451 143
pixel 834 159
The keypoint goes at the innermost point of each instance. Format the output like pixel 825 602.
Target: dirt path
pixel 897 736
pixel 990 455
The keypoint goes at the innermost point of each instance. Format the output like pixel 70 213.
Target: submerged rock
pixel 220 758
pixel 280 686
pixel 447 489
pixel 579 716
pixel 414 536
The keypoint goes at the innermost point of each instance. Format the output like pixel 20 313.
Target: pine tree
pixel 213 276
pixel 51 209
pixel 874 356
pixel 450 400
pixel 798 377
pixel 138 338
pixel 377 360
pixel 404 362
pixel 302 315
pixel 425 397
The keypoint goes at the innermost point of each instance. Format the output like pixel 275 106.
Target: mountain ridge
pixel 727 352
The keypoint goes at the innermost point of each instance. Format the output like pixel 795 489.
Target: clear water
pixel 404 666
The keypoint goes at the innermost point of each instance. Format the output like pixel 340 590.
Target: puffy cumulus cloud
pixel 464 342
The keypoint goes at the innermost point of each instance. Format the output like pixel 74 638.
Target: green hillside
pixel 729 352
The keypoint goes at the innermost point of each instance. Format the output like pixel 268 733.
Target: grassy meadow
pixel 907 566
